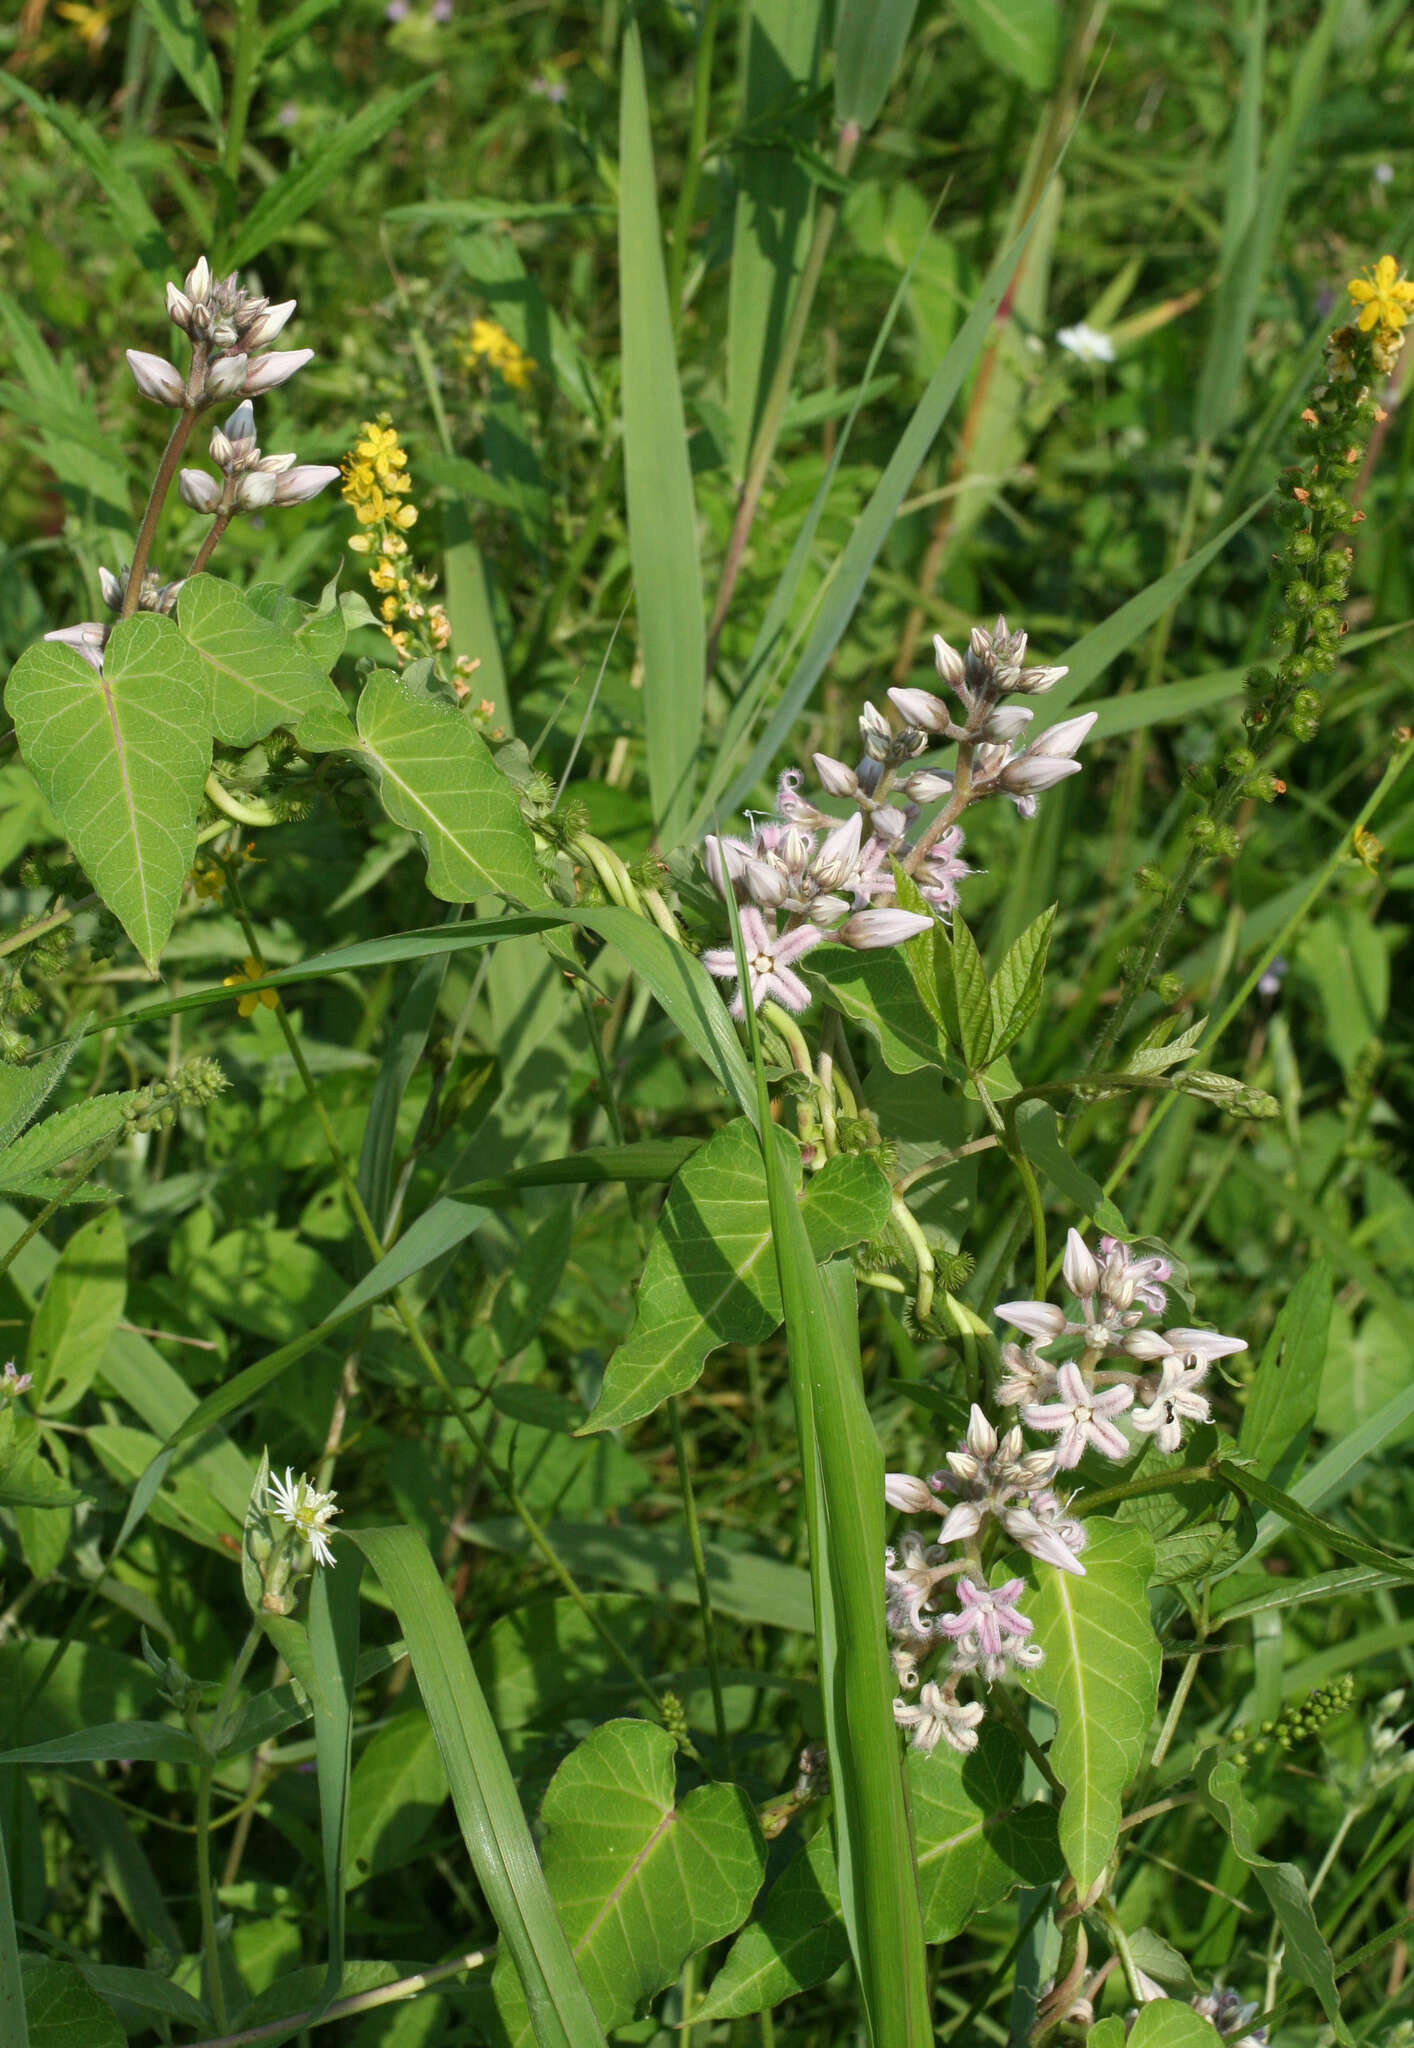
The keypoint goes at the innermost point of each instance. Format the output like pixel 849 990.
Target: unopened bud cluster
pixel 1296 1723
pixel 806 876
pixel 998 1493
pixel 196 1083
pixel 249 480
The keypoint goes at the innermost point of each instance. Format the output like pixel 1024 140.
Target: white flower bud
pixel 304 482
pixel 766 884
pixel 949 664
pixel 199 282
pixel 911 1496
pixel 179 307
pixel 839 856
pixel 825 909
pixel 1030 773
pixel 276 465
pixel 1082 1275
pixel 1007 722
pixel 1064 739
pixel 922 709
pixel 112 589
pixel 925 787
pixel 271 370
pixel 197 489
pixel 264 329
pixel 888 822
pixel 157 379
pixel 241 425
pixel 225 378
pixel 255 490
pixel 223 453
pixel 835 776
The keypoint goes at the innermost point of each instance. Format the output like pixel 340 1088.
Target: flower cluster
pixel 996 1492
pixel 489 347
pixel 796 887
pixel 230 330
pixel 13 1382
pixel 377 484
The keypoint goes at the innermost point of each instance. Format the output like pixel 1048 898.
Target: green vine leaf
pixel 436 776
pixel 711 1277
pixel 121 758
pixel 1101 1675
pixel 642 1879
pixel 261 675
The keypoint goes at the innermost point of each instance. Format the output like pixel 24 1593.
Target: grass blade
pixel 333 1643
pixel 662 516
pixel 14 2028
pixel 483 1789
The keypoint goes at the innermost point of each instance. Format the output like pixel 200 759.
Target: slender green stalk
pixel 30 932
pixel 213 537
pixel 254 1637
pixel 52 1208
pixel 692 165
pixel 348 2008
pixel 215 1990
pixel 704 1591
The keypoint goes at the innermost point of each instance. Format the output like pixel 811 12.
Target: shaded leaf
pixel 78 1314
pixel 63 2010
pixel 1282 1400
pixel 259 674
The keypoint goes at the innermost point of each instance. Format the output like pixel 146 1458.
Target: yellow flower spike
pixel 251 970
pixel 1386 298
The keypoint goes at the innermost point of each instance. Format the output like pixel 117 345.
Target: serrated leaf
pixel 25 1090
pixel 260 675
pixel 1016 991
pixel 121 758
pixel 922 952
pixel 1308 1958
pixel 27 1165
pixel 436 776
pixel 641 1879
pixel 974 1843
pixel 710 1278
pixel 78 1314
pixel 963 994
pixel 1101 1675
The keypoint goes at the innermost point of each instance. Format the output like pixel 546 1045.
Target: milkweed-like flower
pixel 937 1716
pixel 1081 1415
pixel 989 1631
pixel 770 958
pixel 1175 1401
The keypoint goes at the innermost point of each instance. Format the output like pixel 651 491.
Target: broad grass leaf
pixel 685 990
pixel 292 195
pixel 974 1841
pixel 1019 36
pixel 78 1314
pixel 137 1373
pixel 1307 1958
pixel 870 37
pixel 781 55
pixel 1289 1509
pixel 436 776
pixel 1286 1388
pixel 260 675
pixel 559 2013
pixel 144 1741
pixel 91 1685
pixel 662 516
pixel 63 2010
pixel 710 1277
pixel 333 1650
pixel 642 1879
pixel 178 28
pixel 1101 1675
pixel 121 758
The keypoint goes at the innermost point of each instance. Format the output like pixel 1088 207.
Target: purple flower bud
pixel 275 369
pixel 922 709
pixel 869 929
pixel 225 378
pixel 835 776
pixel 157 379
pixel 911 1496
pixel 305 481
pixel 241 425
pixel 270 323
pixel 197 489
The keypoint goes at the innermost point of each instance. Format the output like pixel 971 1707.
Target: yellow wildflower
pixel 1386 297
pixel 488 343
pixel 251 970
pixel 91 24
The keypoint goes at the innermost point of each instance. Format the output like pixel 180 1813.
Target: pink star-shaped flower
pixel 1081 1416
pixel 768 962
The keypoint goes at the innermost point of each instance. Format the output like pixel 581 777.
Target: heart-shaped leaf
pixel 121 757
pixel 260 674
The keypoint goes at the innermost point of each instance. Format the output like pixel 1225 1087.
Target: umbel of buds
pixel 226 325
pixel 797 888
pixel 250 481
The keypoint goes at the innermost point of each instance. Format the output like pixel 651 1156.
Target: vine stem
pixel 408 1317
pixel 215 1990
pixel 208 546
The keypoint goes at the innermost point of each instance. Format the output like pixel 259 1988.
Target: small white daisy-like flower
pixel 1086 342
pixel 305 1509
